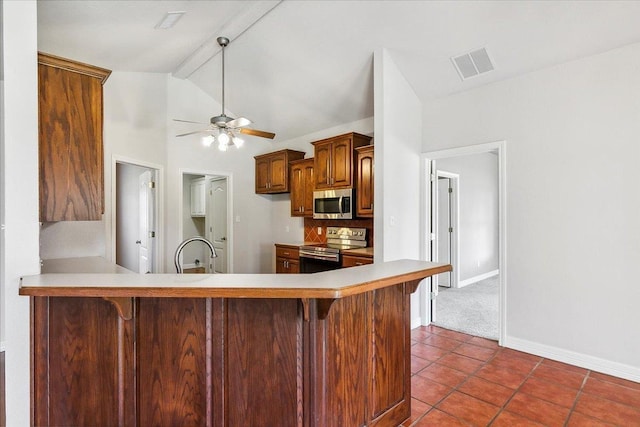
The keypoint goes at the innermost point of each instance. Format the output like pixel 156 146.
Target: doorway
pixel 475 262
pixel 206 212
pixel 136 217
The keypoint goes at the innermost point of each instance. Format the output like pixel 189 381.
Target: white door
pixel 216 222
pixel 146 237
pixel 445 227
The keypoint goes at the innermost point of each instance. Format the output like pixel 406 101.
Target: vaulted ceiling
pixel 296 67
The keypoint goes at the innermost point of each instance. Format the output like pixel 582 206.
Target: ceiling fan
pixel 225 129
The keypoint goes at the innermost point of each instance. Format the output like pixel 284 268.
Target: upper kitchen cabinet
pixel 70 139
pixel 333 165
pixel 302 187
pixel 364 181
pixel 272 171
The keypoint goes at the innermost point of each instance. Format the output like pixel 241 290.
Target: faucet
pixel 181 246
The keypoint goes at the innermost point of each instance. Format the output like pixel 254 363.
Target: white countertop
pixel 327 284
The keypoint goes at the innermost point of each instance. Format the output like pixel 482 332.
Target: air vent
pixel 473 63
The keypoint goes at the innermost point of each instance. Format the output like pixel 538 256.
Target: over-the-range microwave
pixel 333 204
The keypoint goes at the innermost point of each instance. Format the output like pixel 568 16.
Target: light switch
pixel 237 218
pixel 392 221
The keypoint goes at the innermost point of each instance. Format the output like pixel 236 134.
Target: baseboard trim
pixel 474 279
pixel 597 364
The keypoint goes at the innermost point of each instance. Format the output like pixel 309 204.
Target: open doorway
pixel 206 212
pixel 469 182
pixel 136 217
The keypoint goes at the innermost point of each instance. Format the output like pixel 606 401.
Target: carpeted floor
pixel 472 309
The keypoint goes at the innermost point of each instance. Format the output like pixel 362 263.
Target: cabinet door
pixel 364 183
pixel 70 146
pixel 297 189
pixel 198 197
pixel 307 202
pixel 262 175
pixel 294 266
pixel 281 265
pixel 341 162
pixel 278 173
pixel 322 165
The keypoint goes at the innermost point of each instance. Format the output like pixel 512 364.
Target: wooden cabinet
pixel 71 158
pixel 364 181
pixel 199 197
pixel 287 259
pixel 352 260
pixel 302 187
pixel 333 165
pixel 272 171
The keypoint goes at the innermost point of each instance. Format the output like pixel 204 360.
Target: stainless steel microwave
pixel 333 204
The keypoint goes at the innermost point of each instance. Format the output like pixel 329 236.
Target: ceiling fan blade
pixel 189 121
pixel 194 132
pixel 239 122
pixel 256 132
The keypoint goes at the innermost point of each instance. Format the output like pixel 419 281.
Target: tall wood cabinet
pixel 333 165
pixel 71 158
pixel 302 187
pixel 364 181
pixel 272 171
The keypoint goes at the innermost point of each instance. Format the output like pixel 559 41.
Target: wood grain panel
pixel 344 364
pixel 264 363
pixel 173 386
pixel 70 145
pixel 83 340
pixel 341 163
pixel 389 351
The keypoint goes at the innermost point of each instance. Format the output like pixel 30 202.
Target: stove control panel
pixel 346 233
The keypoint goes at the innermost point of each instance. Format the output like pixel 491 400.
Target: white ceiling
pixel 296 67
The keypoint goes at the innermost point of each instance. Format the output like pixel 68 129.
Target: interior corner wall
pixel 397 151
pixel 20 166
pixel 397 154
pixel 573 236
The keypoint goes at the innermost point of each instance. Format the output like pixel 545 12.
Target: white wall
pixel 397 156
pixel 20 205
pixel 573 205
pixel 478 212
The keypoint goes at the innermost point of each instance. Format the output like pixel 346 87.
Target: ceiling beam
pixel 232 30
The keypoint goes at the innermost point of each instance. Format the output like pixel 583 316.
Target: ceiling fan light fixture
pixel 237 141
pixel 208 140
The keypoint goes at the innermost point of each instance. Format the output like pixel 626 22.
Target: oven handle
pixel 335 258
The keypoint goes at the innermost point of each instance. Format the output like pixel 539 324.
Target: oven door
pixel 311 263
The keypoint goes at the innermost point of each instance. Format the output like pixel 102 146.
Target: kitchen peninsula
pixel 324 349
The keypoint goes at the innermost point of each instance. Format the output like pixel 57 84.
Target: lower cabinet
pixel 260 362
pixel 352 261
pixel 287 259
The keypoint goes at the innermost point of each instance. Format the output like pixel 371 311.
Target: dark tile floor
pixel 462 380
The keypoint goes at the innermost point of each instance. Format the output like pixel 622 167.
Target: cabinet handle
pixel 359 263
pixel 286 253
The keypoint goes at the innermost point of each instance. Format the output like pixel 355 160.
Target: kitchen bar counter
pixel 328 284
pixel 324 349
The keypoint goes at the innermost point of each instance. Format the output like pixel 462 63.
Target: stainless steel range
pixel 327 256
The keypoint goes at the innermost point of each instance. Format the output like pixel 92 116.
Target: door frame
pixel 158 255
pixel 425 245
pixel 210 174
pixel 455 220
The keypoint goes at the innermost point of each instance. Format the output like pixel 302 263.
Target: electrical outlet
pixel 319 231
pixel 286 228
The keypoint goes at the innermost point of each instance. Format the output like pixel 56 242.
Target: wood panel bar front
pixel 203 361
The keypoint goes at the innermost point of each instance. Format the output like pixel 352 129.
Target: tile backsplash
pixel 311 228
